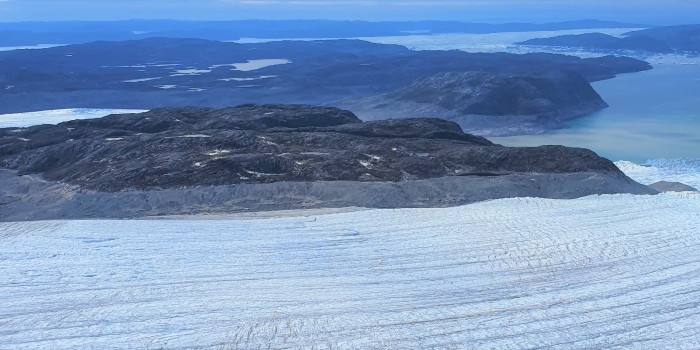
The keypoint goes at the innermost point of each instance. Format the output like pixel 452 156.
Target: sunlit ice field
pixel 597 272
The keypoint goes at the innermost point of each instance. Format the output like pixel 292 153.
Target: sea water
pixel 652 114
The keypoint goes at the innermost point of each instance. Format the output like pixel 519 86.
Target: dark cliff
pixel 184 147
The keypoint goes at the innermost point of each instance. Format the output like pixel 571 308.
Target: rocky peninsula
pixel 678 39
pixel 520 94
pixel 179 161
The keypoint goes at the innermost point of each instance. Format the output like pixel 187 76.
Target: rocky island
pixel 490 103
pixel 177 161
pixel 682 39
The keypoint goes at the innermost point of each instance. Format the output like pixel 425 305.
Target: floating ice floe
pixel 686 171
pixel 56 116
pixel 192 136
pixel 132 66
pixel 30 47
pixel 188 72
pixel 252 65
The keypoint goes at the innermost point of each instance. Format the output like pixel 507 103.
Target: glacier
pixel 610 271
pixel 683 170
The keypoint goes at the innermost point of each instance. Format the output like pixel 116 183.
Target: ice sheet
pixel 684 170
pixel 598 272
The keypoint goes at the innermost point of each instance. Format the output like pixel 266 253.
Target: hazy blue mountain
pixel 684 38
pixel 292 156
pixel 74 32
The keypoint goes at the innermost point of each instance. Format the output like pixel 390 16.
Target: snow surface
pixel 140 80
pixel 55 116
pixel 252 65
pixel 601 272
pixel 686 171
pixel 29 47
pixel 189 72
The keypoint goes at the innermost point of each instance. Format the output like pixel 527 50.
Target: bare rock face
pixel 186 147
pixel 490 103
pixel 555 94
pixel 180 161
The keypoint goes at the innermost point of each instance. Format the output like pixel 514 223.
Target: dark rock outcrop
pixel 548 98
pixel 554 94
pixel 255 157
pixel 668 39
pixel 667 186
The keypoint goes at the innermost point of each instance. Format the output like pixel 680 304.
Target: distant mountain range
pixel 671 39
pixel 160 72
pixel 76 32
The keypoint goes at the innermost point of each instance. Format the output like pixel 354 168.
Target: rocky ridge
pixel 505 103
pixel 280 156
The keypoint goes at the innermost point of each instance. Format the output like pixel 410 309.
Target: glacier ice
pixel 597 272
pixel 684 170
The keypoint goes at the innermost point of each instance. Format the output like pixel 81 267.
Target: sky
pixel 637 11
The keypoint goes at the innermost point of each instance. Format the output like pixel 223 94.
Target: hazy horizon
pixel 495 11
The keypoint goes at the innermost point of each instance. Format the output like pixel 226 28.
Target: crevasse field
pixel 613 271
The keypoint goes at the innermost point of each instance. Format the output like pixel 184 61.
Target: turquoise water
pixel 652 115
